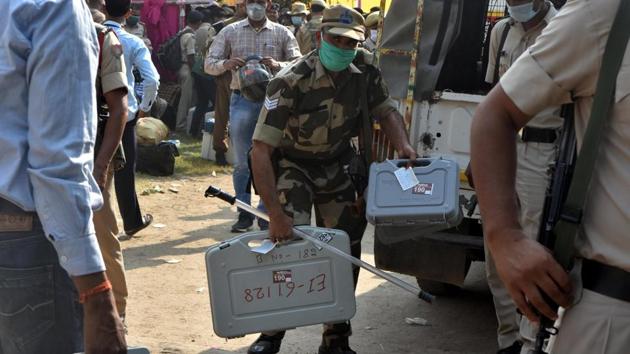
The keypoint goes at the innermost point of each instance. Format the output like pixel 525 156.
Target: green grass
pixel 189 161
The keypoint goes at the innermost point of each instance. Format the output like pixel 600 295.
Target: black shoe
pixel 335 339
pixel 147 219
pixel 244 222
pixel 220 158
pixel 266 344
pixel 515 348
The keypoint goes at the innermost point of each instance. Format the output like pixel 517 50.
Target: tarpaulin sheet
pixel 440 27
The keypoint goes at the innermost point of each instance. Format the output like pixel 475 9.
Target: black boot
pixel 266 344
pixel 244 222
pixel 220 158
pixel 335 339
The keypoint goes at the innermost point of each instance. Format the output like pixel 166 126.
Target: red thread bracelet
pixel 100 288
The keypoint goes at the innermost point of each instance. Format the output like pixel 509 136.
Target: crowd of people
pixel 292 87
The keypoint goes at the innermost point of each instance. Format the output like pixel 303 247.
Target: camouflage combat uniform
pixel 310 121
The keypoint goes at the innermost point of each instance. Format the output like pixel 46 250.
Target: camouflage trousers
pixel 327 187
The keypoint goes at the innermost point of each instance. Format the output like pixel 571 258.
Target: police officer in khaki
pixel 298 20
pixel 562 66
pixel 371 22
pixel 536 153
pixel 111 91
pixel 313 25
pixel 184 75
pixel 311 112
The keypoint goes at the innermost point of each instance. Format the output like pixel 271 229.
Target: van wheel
pixel 438 288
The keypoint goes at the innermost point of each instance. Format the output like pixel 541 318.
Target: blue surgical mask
pixel 522 13
pixel 296 21
pixel 335 59
pixel 256 12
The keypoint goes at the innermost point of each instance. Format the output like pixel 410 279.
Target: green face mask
pixel 335 59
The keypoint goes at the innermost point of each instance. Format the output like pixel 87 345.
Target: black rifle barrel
pixel 554 200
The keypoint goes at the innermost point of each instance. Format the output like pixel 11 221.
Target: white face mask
pixel 256 12
pixel 522 13
pixel 373 35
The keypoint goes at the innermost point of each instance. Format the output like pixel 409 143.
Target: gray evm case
pixel 430 206
pixel 296 284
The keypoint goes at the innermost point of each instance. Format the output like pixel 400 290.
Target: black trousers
pixel 206 89
pixel 125 181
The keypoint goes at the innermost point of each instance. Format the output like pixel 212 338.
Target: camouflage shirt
pixel 308 116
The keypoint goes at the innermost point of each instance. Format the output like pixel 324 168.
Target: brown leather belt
pixel 606 280
pixel 14 219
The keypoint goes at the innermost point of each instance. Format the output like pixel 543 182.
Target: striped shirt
pixel 241 40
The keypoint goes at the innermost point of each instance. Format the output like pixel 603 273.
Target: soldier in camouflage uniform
pixel 311 112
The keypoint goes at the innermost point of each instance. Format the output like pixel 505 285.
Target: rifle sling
pixel 497 60
pixel 567 228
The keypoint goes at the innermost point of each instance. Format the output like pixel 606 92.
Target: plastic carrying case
pixel 296 284
pixel 430 206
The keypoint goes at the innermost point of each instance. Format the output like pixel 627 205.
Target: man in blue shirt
pixel 49 57
pixel 137 56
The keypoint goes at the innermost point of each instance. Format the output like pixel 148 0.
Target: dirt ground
pixel 169 311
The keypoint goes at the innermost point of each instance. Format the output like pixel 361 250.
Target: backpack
pixel 170 53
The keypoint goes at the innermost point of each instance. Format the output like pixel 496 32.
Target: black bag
pixel 157 160
pixel 170 52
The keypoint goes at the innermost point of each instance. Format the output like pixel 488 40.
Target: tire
pixel 438 288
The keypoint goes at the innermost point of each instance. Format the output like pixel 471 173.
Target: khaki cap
pixel 372 19
pixel 321 3
pixel 298 8
pixel 344 21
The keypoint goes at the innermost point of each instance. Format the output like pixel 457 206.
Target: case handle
pixel 415 163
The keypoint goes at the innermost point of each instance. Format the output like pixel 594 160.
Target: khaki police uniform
pixel 184 76
pixel 301 33
pixel 562 66
pixel 310 120
pixel 303 37
pixel 309 39
pixel 534 160
pixel 111 76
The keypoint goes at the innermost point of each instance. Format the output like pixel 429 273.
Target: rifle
pixel 555 197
